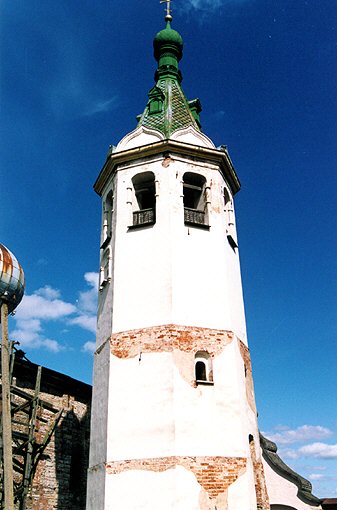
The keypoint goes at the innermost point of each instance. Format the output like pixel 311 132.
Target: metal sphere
pixel 12 279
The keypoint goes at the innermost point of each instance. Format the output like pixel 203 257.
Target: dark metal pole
pixel 6 412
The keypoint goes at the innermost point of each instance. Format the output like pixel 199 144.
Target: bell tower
pixel 174 422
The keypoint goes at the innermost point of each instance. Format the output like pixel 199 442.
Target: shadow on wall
pixel 71 459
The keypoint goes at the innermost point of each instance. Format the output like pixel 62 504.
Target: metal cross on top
pixel 168 7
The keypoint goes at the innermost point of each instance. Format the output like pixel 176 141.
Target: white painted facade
pixel 162 435
pixel 168 273
pixel 171 263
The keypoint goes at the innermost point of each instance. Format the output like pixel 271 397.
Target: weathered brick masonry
pixel 249 376
pixel 214 474
pixel 181 340
pixel 60 478
pixel 262 499
pixel 168 338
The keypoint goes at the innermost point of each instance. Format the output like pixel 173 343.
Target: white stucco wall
pixel 168 273
pixel 171 273
pixel 239 495
pixel 154 412
pixel 175 489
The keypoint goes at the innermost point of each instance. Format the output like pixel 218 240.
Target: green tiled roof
pixel 175 112
pixel 168 109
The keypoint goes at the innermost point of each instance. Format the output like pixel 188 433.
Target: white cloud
pixel 92 279
pixel 48 292
pixel 319 451
pixel 314 450
pixel 84 321
pixel 288 453
pixel 87 301
pixel 51 345
pixel 30 334
pixel 286 436
pixel 89 347
pixel 87 305
pixel 45 305
pixel 316 476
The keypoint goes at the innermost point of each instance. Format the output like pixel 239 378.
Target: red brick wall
pixel 214 474
pixel 128 344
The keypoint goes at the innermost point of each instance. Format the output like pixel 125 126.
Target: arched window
pixel 194 199
pixel 203 368
pixel 156 100
pixel 145 204
pixel 200 371
pixel 229 214
pixel 105 268
pixel 107 219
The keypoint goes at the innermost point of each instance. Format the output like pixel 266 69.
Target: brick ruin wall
pixel 60 478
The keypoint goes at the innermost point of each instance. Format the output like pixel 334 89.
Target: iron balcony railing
pixel 194 217
pixel 144 217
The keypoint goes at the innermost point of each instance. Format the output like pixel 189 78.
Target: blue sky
pixel 73 77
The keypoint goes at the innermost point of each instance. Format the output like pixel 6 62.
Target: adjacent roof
pixel 52 382
pixel 269 450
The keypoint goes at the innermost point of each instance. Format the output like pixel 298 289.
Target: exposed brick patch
pixel 249 376
pixel 214 474
pixel 245 355
pixel 168 338
pixel 262 498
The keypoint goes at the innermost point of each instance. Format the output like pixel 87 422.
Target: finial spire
pixel 168 16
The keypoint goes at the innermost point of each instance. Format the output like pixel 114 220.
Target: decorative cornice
pixel 130 138
pixel 220 157
pixel 269 452
pixel 200 137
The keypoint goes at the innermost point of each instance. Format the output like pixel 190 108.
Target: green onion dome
pixel 168 41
